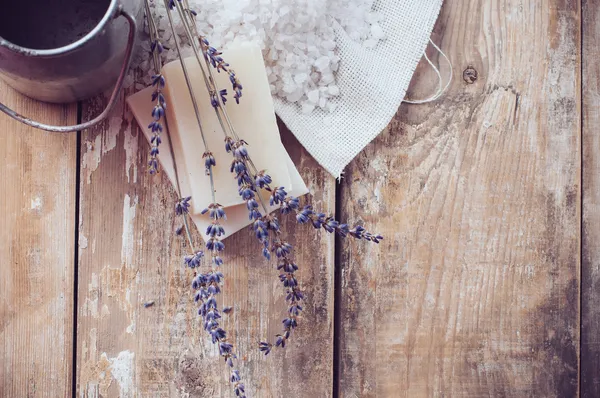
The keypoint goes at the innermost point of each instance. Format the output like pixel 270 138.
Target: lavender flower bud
pixel 215 229
pixel 158 112
pixel 228 144
pixel 158 80
pixel 262 180
pixel 277 196
pixel 290 204
pixel 214 244
pixel 183 205
pixel 209 160
pixel 223 94
pixel 194 260
pixel 265 347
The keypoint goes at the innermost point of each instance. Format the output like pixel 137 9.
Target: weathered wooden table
pixel 486 284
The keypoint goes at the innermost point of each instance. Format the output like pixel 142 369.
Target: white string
pixel 441 90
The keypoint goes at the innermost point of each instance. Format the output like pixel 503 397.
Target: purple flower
pixel 223 94
pixel 246 193
pixel 272 223
pixel 287 266
pixel 213 100
pixel 281 249
pixel 290 323
pixel 194 260
pixel 214 244
pixel 289 205
pixel 157 95
pixel 183 206
pixel 215 210
pixel 158 112
pixel 266 254
pixel 155 126
pixel 229 144
pixel 252 204
pixel 260 229
pixel 303 216
pixel 318 220
pixel 265 347
pixel 158 80
pixel 235 376
pixel 217 261
pixel 262 179
pixel 153 166
pixel 209 160
pixel 225 348
pixel 236 85
pixel 215 229
pixel 278 196
pixel 237 166
pixel 280 341
pixel 295 310
pixel 331 225
pixel 217 334
pixel 241 153
pixel 156 140
pixel 156 45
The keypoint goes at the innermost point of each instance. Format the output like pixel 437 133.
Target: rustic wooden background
pixel 487 283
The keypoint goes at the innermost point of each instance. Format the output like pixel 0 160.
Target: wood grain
pixel 590 253
pixel 129 255
pixel 475 291
pixel 37 243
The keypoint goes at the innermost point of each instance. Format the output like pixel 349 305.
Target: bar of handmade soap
pixel 237 216
pixel 254 120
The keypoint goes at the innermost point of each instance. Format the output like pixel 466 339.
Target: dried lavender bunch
pixel 250 181
pixel 207 284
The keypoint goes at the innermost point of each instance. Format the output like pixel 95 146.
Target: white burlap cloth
pixel 372 85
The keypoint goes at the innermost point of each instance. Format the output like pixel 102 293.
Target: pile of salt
pixel 297 38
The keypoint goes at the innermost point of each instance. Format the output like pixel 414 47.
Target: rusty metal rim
pixel 112 12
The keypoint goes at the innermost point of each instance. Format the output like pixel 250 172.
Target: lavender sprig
pixel 158 82
pixel 207 285
pixel 213 55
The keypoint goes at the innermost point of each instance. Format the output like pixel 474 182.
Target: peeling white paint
pixel 122 370
pixel 105 311
pixel 131 327
pixel 90 305
pixel 83 241
pixel 36 204
pixel 103 143
pixel 91 158
pixel 110 136
pixel 127 244
pixel 131 150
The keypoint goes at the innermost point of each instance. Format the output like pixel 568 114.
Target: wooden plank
pixel 475 291
pixel 37 243
pixel 129 255
pixel 590 252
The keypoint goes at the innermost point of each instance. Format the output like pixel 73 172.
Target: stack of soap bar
pixel 254 121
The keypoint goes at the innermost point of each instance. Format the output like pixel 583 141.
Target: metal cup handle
pixel 111 101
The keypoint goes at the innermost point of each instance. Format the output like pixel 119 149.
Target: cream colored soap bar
pixel 254 120
pixel 237 216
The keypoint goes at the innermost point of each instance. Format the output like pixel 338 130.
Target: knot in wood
pixel 470 75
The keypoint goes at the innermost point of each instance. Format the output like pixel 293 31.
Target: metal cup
pixel 92 43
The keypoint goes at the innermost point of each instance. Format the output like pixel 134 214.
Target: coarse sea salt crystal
pixel 313 96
